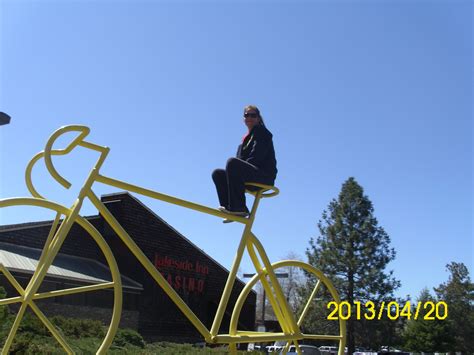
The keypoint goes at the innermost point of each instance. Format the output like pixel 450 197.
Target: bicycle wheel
pixel 314 303
pixel 22 302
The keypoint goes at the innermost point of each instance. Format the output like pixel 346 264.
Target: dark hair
pixel 255 108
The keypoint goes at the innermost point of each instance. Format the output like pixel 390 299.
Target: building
pixel 197 278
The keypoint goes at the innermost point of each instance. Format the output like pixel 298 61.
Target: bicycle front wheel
pixel 29 298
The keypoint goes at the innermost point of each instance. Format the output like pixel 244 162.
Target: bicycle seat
pixel 265 190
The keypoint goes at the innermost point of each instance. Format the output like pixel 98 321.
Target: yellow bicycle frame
pixel 264 269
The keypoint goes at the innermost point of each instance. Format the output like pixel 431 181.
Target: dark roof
pixel 24 259
pixel 37 224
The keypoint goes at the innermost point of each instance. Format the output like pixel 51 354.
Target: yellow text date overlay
pixel 392 310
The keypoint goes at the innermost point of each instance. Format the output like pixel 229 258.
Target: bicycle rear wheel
pixel 313 303
pixel 21 302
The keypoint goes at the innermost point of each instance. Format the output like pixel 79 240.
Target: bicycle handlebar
pixel 48 152
pixel 84 131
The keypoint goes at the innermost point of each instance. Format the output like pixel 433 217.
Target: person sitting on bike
pixel 255 162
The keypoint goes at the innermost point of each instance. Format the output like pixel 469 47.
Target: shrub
pixel 85 345
pixel 126 337
pixel 39 345
pixel 79 328
pixel 3 309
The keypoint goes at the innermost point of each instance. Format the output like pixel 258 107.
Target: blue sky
pixel 377 90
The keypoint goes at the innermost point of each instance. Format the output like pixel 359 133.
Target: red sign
pixel 182 275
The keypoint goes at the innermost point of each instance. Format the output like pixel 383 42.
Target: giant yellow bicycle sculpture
pixel 65 217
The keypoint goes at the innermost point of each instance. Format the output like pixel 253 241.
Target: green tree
pixel 424 335
pixel 458 293
pixel 354 251
pixel 384 331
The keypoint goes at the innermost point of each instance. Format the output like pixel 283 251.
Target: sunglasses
pixel 251 115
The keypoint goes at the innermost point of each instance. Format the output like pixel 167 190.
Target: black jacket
pixel 257 149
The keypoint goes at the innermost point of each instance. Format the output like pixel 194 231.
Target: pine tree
pixel 458 293
pixel 354 251
pixel 427 335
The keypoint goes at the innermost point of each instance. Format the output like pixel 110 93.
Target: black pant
pixel 230 182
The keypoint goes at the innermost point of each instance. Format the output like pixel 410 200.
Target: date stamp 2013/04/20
pixel 393 310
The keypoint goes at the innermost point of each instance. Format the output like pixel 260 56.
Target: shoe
pixel 227 221
pixel 238 213
pixel 234 213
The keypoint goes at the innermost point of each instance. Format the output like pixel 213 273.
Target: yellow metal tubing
pixel 282 302
pixel 287 347
pixel 298 349
pixel 51 328
pixel 148 265
pixel 57 241
pixel 290 327
pixel 11 300
pixel 12 280
pixel 264 189
pixel 71 291
pixel 72 213
pixel 35 308
pixel 29 168
pixel 49 239
pixel 48 152
pixel 235 265
pixel 169 199
pixel 308 304
pixel 57 293
pixel 89 228
pixel 292 263
pixel 240 302
pixel 12 333
pixel 268 290
pixel 228 286
pixel 233 348
pixel 83 130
